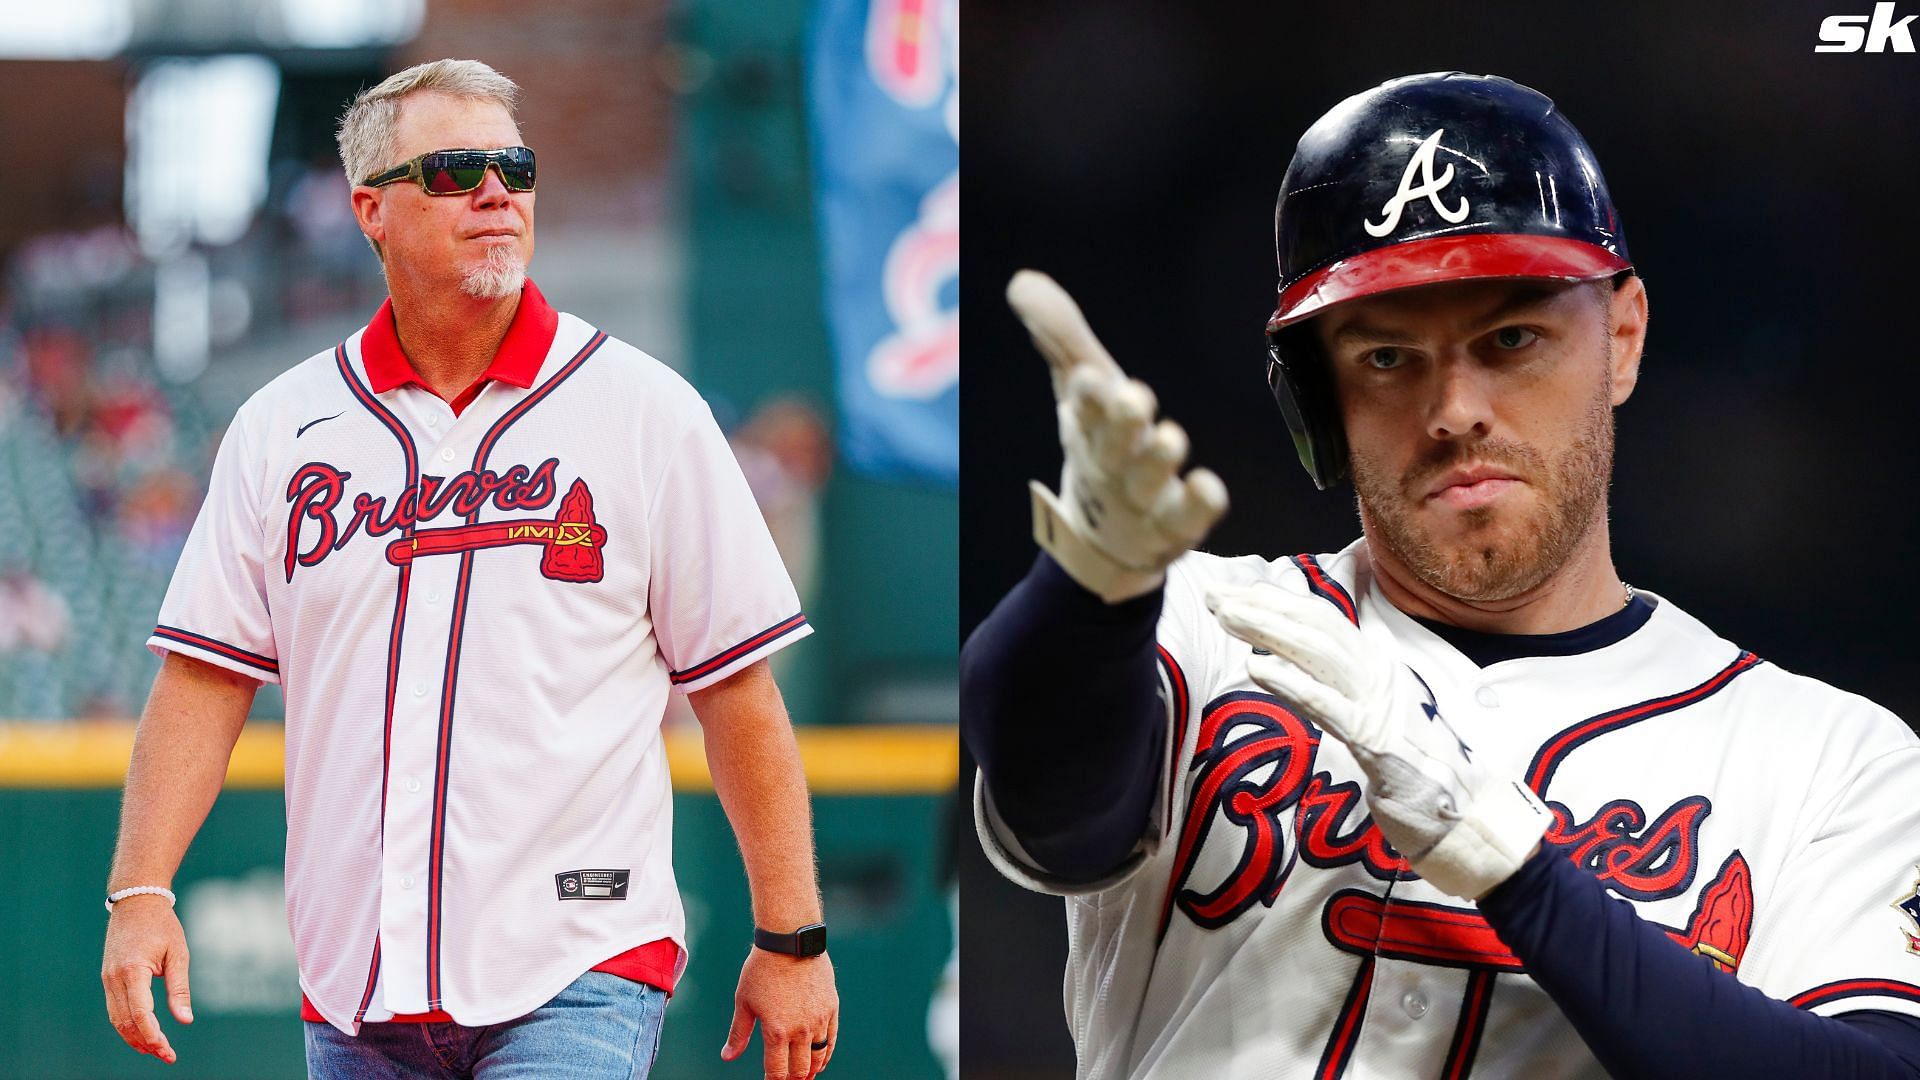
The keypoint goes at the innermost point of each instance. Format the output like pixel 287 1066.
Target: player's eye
pixel 1514 337
pixel 1385 359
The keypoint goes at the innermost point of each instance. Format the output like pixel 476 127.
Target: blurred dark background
pixel 1133 148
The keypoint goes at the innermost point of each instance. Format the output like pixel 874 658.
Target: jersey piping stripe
pixel 1556 749
pixel 765 637
pixel 1473 1023
pixel 1847 988
pixel 1177 680
pixel 1346 1027
pixel 213 645
pixel 410 464
pixel 1322 585
pixel 1177 684
pixel 373 977
pixel 450 678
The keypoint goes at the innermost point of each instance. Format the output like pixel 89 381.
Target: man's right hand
pixel 1124 512
pixel 144 939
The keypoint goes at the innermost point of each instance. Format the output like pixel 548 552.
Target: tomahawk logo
pixel 1874 33
pixel 1429 188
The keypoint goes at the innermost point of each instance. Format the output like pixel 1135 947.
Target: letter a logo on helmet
pixel 1430 187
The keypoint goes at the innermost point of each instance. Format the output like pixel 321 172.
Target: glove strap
pixel 1494 836
pixel 1096 571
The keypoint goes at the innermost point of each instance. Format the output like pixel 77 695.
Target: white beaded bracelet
pixel 139 890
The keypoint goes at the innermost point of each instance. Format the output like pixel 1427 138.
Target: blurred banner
pixel 884 87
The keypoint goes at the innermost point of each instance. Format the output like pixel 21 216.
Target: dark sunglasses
pixel 456 172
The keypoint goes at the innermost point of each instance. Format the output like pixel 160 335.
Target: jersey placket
pixel 418 785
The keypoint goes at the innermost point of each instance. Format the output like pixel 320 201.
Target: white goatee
pixel 500 276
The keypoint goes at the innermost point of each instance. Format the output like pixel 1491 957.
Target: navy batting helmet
pixel 1418 181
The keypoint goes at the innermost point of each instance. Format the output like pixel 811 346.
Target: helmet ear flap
pixel 1303 387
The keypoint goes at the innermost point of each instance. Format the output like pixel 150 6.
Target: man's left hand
pixel 1462 827
pixel 794 1001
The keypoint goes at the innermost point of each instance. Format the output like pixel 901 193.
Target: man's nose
pixel 1461 403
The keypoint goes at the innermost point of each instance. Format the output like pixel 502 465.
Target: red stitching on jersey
pixel 373 976
pixel 1325 587
pixel 722 659
pixel 1846 988
pixel 1474 1006
pixel 1365 924
pixel 1346 1026
pixel 1540 773
pixel 1261 870
pixel 214 645
pixel 1178 680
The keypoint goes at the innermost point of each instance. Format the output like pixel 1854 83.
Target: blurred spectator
pixel 786 452
pixel 156 513
pixel 32 616
pixel 58 360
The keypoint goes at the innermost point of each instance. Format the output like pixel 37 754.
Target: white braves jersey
pixel 1766 820
pixel 477 621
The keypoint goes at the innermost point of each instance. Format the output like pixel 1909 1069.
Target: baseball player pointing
pixel 1454 800
pixel 479 543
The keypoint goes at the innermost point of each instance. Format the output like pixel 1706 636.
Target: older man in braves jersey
pixel 479 543
pixel 1374 813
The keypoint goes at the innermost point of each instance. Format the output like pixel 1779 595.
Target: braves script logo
pixel 571 544
pixel 1252 774
pixel 1429 188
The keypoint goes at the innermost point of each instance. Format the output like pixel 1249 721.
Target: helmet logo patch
pixel 1429 188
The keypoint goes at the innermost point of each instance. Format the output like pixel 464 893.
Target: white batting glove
pixel 1463 829
pixel 1123 512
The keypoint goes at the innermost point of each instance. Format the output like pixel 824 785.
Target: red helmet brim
pixel 1441 259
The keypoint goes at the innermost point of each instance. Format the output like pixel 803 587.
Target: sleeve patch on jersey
pixel 201 641
pixel 1909 906
pixel 760 640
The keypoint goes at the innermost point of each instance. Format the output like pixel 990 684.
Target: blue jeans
pixel 602 1027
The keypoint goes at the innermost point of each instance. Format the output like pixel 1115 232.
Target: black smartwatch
pixel 809 940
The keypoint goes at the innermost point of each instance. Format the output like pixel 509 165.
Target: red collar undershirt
pixel 521 353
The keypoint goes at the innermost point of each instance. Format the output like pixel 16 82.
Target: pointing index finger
pixel 1058 328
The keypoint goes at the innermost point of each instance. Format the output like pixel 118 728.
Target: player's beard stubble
pixel 1500 553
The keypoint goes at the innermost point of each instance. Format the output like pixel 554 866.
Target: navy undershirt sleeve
pixel 1059 704
pixel 1649 1009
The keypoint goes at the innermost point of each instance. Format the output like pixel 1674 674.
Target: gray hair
pixel 366 128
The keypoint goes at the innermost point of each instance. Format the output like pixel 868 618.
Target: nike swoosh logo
pixel 322 420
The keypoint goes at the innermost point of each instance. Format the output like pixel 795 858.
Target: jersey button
pixel 1415 1003
pixel 433 420
pixel 419 689
pixel 413 783
pixel 407 882
pixel 1487 698
pixel 447 454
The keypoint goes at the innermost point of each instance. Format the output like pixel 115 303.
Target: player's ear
pixel 367 212
pixel 1627 322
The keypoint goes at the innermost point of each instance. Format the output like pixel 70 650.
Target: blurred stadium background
pixel 1133 148
pixel 177 233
